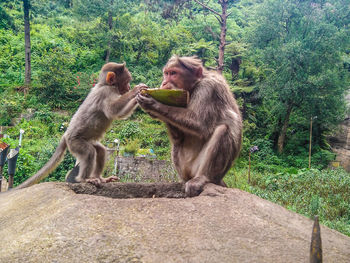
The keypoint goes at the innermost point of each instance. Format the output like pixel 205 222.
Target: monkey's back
pixel 90 122
pixel 214 103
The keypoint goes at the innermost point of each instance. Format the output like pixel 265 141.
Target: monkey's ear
pixel 123 67
pixel 199 72
pixel 111 78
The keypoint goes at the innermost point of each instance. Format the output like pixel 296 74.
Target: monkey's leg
pixel 85 152
pixel 213 162
pixel 96 177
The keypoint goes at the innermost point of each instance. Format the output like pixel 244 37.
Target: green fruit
pixel 171 97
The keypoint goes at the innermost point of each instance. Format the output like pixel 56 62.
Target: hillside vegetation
pixel 286 61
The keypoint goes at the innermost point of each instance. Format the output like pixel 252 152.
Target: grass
pixel 325 193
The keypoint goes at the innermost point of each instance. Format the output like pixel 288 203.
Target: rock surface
pixel 341 144
pixel 340 141
pixel 50 222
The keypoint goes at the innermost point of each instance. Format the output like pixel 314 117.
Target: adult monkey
pixel 206 135
pixel 110 99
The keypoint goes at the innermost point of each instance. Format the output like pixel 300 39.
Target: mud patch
pixel 131 190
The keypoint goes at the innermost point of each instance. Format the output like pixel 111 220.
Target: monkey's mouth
pixel 169 86
pixel 131 190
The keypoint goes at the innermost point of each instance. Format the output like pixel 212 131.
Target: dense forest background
pixel 287 62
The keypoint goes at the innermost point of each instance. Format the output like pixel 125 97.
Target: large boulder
pixel 59 222
pixel 340 140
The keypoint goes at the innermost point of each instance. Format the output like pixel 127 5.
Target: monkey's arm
pixel 184 119
pixel 175 134
pixel 120 107
pixel 124 106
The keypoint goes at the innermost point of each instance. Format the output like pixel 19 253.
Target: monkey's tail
pixel 51 165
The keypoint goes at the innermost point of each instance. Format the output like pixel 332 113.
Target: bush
pixel 11 107
pixel 130 130
pixel 132 147
pixel 57 84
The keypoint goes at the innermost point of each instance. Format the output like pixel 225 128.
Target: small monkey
pixel 109 100
pixel 206 135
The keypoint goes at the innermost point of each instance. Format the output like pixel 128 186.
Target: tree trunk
pixel 282 137
pixel 110 27
pixel 222 18
pixel 26 7
pixel 223 21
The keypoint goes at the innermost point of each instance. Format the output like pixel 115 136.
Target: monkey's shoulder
pixel 99 95
pixel 103 91
pixel 212 82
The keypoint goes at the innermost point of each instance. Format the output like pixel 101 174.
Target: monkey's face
pixel 124 83
pixel 174 77
pixel 124 88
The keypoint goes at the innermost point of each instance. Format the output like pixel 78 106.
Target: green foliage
pixel 309 192
pixel 130 131
pixel 132 146
pixel 11 106
pixel 56 82
pixel 300 49
pixel 6 21
pixel 39 142
pixel 11 57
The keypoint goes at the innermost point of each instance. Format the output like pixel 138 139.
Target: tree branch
pixel 207 7
pixel 219 19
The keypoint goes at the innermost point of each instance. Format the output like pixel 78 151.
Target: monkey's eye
pixel 173 73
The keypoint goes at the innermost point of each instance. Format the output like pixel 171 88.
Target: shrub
pixel 130 130
pixel 132 146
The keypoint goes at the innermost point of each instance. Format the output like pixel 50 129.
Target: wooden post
pixel 249 170
pixel 10 181
pixel 310 142
pixel 316 243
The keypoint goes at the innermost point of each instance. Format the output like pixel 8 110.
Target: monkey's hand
pixel 138 88
pixel 195 186
pixel 147 103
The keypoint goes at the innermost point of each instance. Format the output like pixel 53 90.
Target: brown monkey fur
pixel 205 136
pixel 109 100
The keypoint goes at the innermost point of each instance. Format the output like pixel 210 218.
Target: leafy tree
pixel 301 44
pixel 222 18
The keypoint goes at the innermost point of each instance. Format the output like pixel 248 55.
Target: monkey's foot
pixel 195 186
pixel 110 179
pixel 95 181
pixel 100 180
